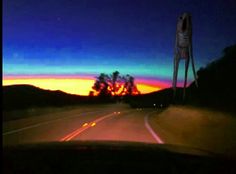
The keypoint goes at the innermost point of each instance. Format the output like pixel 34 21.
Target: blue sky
pixel 89 37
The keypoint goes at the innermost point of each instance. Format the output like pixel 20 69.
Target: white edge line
pixel 21 129
pixel 154 135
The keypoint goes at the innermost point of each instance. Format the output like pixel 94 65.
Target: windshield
pixel 157 72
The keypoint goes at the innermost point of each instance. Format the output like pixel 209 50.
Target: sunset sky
pixel 65 44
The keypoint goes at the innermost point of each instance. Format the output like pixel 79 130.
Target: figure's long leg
pixel 175 75
pixel 193 67
pixel 186 76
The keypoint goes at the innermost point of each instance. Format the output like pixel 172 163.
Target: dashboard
pixel 111 157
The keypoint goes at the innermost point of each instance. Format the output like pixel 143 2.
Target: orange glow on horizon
pixel 79 86
pixel 145 88
pixel 72 86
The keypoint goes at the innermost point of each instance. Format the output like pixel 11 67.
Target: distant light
pixel 154 104
pixel 85 124
pixel 93 124
pixel 114 112
pixel 118 112
pixel 161 105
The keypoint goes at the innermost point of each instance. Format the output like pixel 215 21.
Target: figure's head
pixel 184 23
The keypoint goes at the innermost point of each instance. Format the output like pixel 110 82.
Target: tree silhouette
pixel 217 83
pixel 129 87
pixel 115 85
pixel 115 82
pixel 101 85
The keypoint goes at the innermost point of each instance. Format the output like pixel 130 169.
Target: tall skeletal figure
pixel 183 49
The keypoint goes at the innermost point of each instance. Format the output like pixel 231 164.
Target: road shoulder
pixel 195 127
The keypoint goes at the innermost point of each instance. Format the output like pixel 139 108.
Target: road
pixel 103 122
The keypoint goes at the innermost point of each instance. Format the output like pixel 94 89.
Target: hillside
pixel 17 97
pixel 217 86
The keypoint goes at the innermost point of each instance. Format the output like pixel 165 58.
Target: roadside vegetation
pixel 204 129
pixel 217 88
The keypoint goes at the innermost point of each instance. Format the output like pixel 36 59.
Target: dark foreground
pixel 120 157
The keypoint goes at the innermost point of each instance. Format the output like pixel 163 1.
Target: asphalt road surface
pixel 102 122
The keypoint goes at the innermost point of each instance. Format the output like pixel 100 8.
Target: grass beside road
pixel 196 127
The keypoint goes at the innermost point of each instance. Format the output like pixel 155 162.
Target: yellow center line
pixel 71 134
pixel 83 128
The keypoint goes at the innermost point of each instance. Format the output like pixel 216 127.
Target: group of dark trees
pixel 217 83
pixel 216 87
pixel 114 85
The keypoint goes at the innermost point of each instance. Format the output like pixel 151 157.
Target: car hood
pixel 114 145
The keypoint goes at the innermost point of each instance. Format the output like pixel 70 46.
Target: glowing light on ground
pixel 93 124
pixel 85 124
